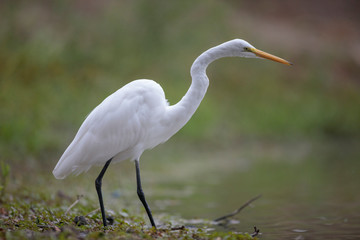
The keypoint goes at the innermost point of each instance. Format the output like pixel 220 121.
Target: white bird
pixel 138 117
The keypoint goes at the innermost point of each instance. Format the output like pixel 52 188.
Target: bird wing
pixel 115 127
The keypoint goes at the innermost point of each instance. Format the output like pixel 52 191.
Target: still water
pixel 310 190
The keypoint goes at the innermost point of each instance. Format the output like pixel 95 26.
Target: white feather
pixel 138 117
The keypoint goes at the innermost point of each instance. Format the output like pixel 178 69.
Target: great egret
pixel 138 117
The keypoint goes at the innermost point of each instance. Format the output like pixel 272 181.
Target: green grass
pixel 41 216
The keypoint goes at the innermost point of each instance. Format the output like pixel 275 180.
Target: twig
pixel 177 228
pixel 238 210
pixel 72 205
pixel 54 228
pixel 93 211
pixel 256 232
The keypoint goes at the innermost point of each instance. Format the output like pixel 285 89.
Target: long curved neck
pixel 181 112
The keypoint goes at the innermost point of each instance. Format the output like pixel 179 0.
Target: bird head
pixel 241 48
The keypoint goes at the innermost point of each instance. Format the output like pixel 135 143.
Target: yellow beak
pixel 269 56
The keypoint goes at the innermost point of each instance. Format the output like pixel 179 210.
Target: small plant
pixel 5 170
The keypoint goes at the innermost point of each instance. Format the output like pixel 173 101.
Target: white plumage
pixel 138 117
pixel 122 126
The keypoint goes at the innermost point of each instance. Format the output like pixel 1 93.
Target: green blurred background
pixel 59 59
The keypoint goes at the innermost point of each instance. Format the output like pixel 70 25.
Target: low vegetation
pixel 39 216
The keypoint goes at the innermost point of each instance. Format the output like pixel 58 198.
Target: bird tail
pixel 66 165
pixel 62 170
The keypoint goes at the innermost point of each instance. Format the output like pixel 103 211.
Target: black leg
pixel 98 182
pixel 141 193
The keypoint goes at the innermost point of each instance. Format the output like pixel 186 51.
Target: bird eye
pixel 246 49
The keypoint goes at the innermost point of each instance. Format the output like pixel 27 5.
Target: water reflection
pixel 313 196
pixel 346 225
